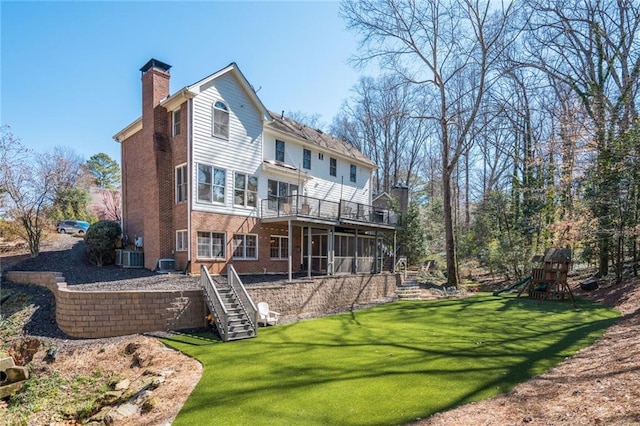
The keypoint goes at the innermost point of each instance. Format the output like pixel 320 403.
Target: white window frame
pixel 272 199
pixel 333 166
pixel 280 151
pixel 353 173
pixel 243 245
pixel 212 185
pixel 182 184
pixel 249 197
pixel 182 240
pixel 175 126
pixel 281 245
pixel 306 158
pixel 220 120
pixel 203 244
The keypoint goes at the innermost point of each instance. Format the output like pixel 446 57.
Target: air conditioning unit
pixel 132 259
pixel 165 265
pixel 119 257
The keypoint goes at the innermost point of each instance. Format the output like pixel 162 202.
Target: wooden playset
pixel 549 276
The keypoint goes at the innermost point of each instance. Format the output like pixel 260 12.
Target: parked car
pixel 72 227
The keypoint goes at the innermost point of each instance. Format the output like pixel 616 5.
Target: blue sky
pixel 70 70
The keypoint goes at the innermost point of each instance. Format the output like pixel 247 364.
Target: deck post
pixel 394 251
pixel 309 247
pixel 290 249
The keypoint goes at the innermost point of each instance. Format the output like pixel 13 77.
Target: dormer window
pixel 220 120
pixel 280 151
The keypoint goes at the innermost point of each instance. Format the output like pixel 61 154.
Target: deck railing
pixel 243 297
pixel 315 208
pixel 214 301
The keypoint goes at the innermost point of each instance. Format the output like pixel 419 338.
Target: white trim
pixel 224 246
pixel 185 183
pixel 184 247
pixel 244 242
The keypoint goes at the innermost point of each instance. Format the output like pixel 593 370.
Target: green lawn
pixel 386 365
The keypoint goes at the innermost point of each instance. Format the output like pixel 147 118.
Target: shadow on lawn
pixel 425 355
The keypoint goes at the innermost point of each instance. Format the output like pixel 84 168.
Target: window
pixel 352 173
pixel 280 151
pixel 181 184
pixel 320 156
pixel 176 123
pixel 245 246
pixel 279 247
pixel 306 159
pixel 211 245
pixel 211 184
pixel 220 120
pixel 181 240
pixel 333 167
pixel 245 190
pixel 280 189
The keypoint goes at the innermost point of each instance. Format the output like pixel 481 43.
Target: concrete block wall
pixel 99 314
pixel 324 295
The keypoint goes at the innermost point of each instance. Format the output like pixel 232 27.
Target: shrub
pixel 101 241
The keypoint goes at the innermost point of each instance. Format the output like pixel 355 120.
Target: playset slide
pixel 514 286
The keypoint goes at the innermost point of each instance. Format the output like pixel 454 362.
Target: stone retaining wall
pixel 117 313
pixel 98 314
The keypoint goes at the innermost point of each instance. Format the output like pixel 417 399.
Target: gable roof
pixel 248 88
pixel 277 122
pixel 188 92
pixel 317 138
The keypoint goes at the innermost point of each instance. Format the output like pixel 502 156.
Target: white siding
pixel 322 185
pixel 242 152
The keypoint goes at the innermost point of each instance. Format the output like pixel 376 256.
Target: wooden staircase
pixel 235 315
pixel 238 323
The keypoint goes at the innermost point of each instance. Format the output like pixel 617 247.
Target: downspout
pixel 189 177
pixel 122 189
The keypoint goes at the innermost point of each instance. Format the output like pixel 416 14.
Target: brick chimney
pixel 156 171
pixel 155 84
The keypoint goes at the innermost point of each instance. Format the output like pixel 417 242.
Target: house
pixel 210 177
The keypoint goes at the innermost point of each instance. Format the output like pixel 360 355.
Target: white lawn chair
pixel 266 316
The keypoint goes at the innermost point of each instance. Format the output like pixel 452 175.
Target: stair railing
pixel 214 302
pixel 245 301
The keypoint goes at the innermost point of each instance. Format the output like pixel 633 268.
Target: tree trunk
pixel 452 261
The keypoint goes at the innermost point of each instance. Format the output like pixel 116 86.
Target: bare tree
pixel 450 49
pixel 593 48
pixel 111 205
pixel 378 121
pixel 30 182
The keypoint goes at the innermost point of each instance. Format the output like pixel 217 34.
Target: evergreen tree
pixel 411 235
pixel 105 170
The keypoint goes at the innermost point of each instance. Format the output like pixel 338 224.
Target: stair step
pixel 241 335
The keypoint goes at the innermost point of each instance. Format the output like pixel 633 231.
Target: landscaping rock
pixel 122 385
pixel 10 389
pixel 16 374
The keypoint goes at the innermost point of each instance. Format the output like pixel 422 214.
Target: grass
pixel 390 364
